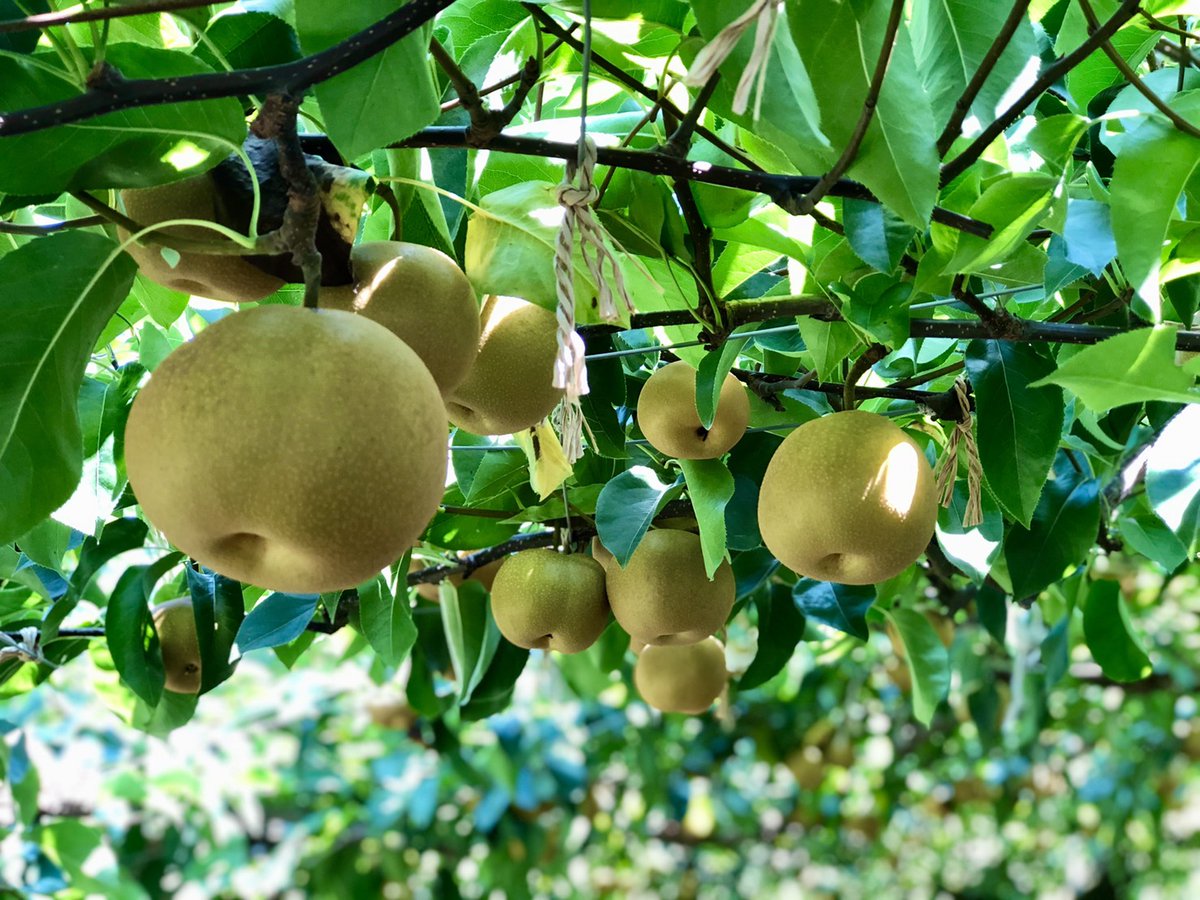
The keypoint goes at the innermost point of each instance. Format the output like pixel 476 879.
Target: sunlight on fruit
pixel 898 477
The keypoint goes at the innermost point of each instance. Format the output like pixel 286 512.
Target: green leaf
pixel 897 160
pixel 710 485
pixel 386 621
pixel 710 375
pixel 1013 206
pixel 1109 634
pixel 383 99
pixel 1063 529
pixel 277 619
pixel 172 711
pixel 495 689
pixel 1088 235
pixel 625 508
pixel 842 607
pixel 219 609
pixel 927 659
pixel 993 611
pixel 1018 428
pixel 130 148
pixel 1148 535
pixel 125 624
pixel 1150 173
pixel 46 543
pixel 973 550
pixel 1097 72
pixel 1173 476
pixel 247 39
pixel 289 653
pixel 471 634
pixel 780 628
pixel 876 234
pixel 1133 367
pixel 21 41
pixel 878 304
pixel 57 296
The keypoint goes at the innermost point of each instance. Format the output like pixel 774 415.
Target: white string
pixel 765 15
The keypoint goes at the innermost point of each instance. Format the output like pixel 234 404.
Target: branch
pixel 1052 74
pixel 954 127
pixel 51 228
pixel 943 404
pixel 1000 322
pixel 1159 25
pixel 830 178
pixel 48 20
pixel 786 190
pixel 287 78
pixel 1132 77
pixel 485 123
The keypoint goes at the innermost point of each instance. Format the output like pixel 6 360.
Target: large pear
pixel 296 449
pixel 545 600
pixel 420 295
pixel 684 678
pixel 509 386
pixel 215 276
pixel 847 498
pixel 667 415
pixel 175 623
pixel 663 595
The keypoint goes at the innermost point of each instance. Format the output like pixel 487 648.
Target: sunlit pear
pixel 509 386
pixel 215 276
pixel 847 498
pixel 667 414
pixel 663 596
pixel 485 575
pixel 685 678
pixel 175 624
pixel 295 449
pixel 420 295
pixel 546 600
pixel 807 765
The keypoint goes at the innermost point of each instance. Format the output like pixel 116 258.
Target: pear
pixel 546 600
pixel 667 414
pixel 175 623
pixel 420 295
pixel 682 678
pixel 663 596
pixel 847 498
pixel 509 386
pixel 215 276
pixel 299 450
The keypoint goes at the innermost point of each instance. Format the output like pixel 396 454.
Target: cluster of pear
pixel 662 598
pixel 305 450
pixel 848 497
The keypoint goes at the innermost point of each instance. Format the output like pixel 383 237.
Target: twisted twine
pixel 947 469
pixel 766 14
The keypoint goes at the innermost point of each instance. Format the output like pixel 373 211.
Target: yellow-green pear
pixel 663 596
pixel 683 678
pixel 175 623
pixel 667 415
pixel 546 600
pixel 215 276
pixel 420 295
pixel 509 386
pixel 296 449
pixel 847 498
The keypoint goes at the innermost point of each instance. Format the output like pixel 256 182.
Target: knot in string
pixel 962 435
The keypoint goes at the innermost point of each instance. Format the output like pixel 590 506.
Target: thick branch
pixel 287 78
pixel 943 404
pixel 1052 74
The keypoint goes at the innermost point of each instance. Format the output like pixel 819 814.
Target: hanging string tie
pixel 964 435
pixel 765 15
pixel 576 195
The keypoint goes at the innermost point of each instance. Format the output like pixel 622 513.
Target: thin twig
pixel 850 151
pixel 145 7
pixel 52 227
pixel 677 144
pixel 1159 25
pixel 954 127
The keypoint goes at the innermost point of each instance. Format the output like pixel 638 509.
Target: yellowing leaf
pixel 548 465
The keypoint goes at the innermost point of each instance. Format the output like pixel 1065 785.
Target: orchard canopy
pixel 974 220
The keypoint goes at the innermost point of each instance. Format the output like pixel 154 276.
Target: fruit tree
pixel 594 447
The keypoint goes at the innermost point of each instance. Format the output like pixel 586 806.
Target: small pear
pixel 509 386
pixel 546 600
pixel 684 678
pixel 667 414
pixel 175 623
pixel 421 296
pixel 848 498
pixel 215 276
pixel 663 596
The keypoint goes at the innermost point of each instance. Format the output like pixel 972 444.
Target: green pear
pixel 508 388
pixel 848 498
pixel 420 295
pixel 663 595
pixel 175 623
pixel 546 600
pixel 667 414
pixel 215 276
pixel 299 450
pixel 683 678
